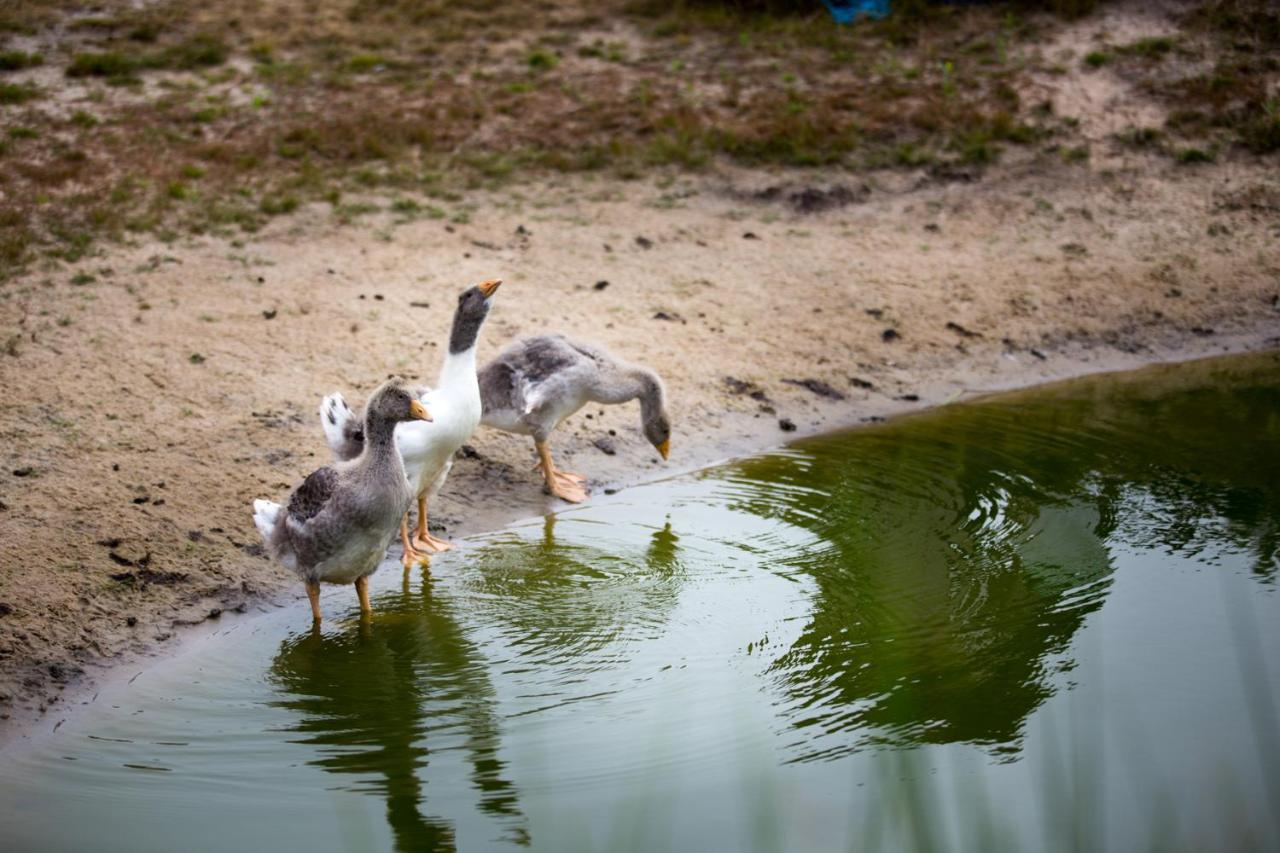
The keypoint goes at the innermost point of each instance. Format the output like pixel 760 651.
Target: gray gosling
pixel 536 383
pixel 342 517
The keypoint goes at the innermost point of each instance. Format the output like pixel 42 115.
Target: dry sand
pixel 147 408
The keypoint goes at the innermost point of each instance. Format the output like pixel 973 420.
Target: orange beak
pixel 665 448
pixel 490 287
pixel 419 411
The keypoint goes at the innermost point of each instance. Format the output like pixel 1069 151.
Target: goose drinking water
pixel 536 383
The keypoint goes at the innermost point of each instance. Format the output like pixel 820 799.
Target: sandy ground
pixel 145 409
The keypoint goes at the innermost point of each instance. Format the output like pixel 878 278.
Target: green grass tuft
pixel 1149 48
pixel 17 93
pixel 1188 156
pixel 1098 58
pixel 542 60
pixel 16 60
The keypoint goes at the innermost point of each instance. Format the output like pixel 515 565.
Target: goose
pixel 342 517
pixel 536 383
pixel 427 448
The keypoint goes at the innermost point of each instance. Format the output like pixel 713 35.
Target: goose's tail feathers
pixel 343 429
pixel 266 515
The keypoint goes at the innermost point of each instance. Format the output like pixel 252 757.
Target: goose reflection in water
pixel 377 700
pixel 571 598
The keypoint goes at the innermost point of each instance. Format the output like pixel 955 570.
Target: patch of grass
pixel 1098 58
pixel 277 204
pixel 1076 154
pixel 1191 155
pixel 1156 47
pixel 1260 132
pixel 118 67
pixel 1141 137
pixel 83 119
pixel 492 165
pixel 1256 21
pixel 542 60
pixel 82 278
pixel 112 65
pixel 17 93
pixel 363 63
pixel 350 211
pixel 199 51
pixel 16 60
pixel 727 81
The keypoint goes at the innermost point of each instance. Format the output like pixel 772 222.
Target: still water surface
pixel 1049 620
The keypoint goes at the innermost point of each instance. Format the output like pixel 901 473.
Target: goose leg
pixel 411 555
pixel 313 593
pixel 423 538
pixel 362 592
pixel 562 484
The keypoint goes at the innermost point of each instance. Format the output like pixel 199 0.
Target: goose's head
pixel 653 411
pixel 392 402
pixel 657 428
pixel 473 307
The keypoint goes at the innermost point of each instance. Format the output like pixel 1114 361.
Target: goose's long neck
pixel 648 390
pixel 459 370
pixel 379 454
pixel 631 382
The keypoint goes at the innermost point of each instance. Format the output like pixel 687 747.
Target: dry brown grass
pixel 322 97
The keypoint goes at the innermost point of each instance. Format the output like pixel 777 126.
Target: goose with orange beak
pixel 427 448
pixel 341 518
pixel 536 383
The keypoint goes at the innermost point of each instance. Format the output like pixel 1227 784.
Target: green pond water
pixel 1045 621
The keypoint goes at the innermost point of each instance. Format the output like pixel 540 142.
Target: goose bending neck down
pixel 427 449
pixel 536 383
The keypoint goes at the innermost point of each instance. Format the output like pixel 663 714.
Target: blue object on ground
pixel 847 11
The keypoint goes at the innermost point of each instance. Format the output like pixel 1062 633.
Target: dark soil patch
pixel 818 387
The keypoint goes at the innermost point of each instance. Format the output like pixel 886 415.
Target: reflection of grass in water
pixel 964 547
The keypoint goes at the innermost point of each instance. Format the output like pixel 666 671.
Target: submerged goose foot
pixel 427 542
pixel 411 556
pixel 362 592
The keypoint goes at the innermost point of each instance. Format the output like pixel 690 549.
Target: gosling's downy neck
pixel 379 454
pixel 648 389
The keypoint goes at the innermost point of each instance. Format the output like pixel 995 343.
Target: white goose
pixel 427 448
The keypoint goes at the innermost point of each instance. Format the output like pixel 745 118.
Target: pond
pixel 1045 620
